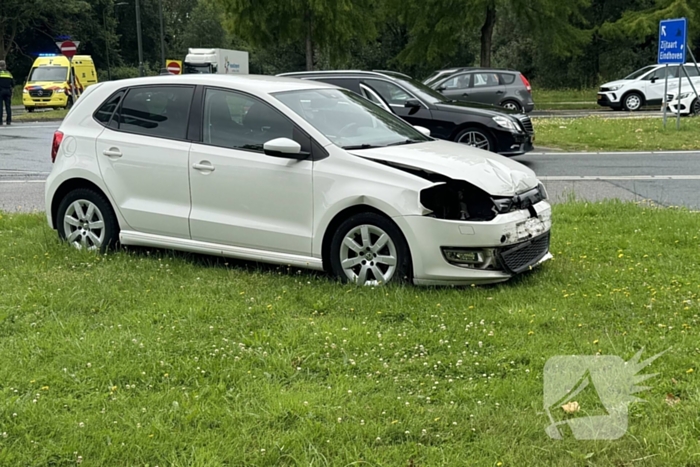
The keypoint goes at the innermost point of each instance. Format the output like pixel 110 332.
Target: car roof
pixel 476 68
pixel 384 74
pixel 260 84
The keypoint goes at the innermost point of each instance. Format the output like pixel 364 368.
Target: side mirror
pixel 284 148
pixel 423 130
pixel 441 88
pixel 412 103
pixel 653 79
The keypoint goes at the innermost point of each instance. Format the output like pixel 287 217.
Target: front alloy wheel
pixel 368 249
pixel 633 102
pixel 475 138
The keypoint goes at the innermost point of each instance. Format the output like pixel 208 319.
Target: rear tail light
pixel 526 83
pixel 57 140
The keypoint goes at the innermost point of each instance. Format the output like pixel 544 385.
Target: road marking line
pixel 588 178
pixel 22 181
pixel 615 153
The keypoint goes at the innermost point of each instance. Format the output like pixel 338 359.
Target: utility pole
pixel 104 21
pixel 138 37
pixel 162 35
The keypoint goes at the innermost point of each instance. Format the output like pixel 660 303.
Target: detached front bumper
pixel 508 245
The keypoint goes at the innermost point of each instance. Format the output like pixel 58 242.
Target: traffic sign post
pixel 673 38
pixel 69 49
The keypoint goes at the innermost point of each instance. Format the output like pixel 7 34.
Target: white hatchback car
pixel 291 172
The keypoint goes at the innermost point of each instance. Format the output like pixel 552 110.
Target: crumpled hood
pixel 496 175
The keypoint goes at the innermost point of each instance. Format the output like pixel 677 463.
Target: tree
pixel 326 24
pixel 436 26
pixel 16 16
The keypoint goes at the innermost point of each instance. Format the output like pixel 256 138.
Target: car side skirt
pixel 127 237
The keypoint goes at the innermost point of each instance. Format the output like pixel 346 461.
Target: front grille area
pixel 527 124
pixel 41 93
pixel 519 258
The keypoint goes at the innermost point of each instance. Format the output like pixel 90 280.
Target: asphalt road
pixel 671 179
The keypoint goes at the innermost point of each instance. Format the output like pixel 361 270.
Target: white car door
pixel 656 82
pixel 240 196
pixel 143 157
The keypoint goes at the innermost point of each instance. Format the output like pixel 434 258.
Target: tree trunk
pixel 3 52
pixel 309 42
pixel 487 35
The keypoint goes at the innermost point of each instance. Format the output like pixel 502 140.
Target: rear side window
pixel 159 111
pixel 104 113
pixel 507 78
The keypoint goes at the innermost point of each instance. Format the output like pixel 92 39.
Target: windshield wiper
pixel 407 141
pixel 362 146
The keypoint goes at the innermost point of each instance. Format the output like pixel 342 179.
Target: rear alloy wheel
pixel 87 221
pixel 512 105
pixel 368 249
pixel 475 137
pixel 633 102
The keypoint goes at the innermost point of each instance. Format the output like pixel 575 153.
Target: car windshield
pixel 49 73
pixel 639 73
pixel 349 120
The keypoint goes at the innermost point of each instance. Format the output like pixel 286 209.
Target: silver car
pixel 505 88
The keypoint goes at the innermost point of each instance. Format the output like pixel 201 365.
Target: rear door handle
pixel 112 152
pixel 465 95
pixel 204 166
pixel 500 92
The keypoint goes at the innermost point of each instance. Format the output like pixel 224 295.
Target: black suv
pixel 484 127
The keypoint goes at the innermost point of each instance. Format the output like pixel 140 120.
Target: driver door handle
pixel 465 95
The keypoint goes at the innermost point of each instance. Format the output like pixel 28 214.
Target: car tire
pixel 477 138
pixel 632 102
pixel 357 244
pixel 29 109
pixel 512 105
pixel 695 108
pixel 86 220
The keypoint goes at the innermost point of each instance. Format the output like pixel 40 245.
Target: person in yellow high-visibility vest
pixel 7 82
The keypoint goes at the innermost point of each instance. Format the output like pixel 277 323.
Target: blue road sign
pixel 673 34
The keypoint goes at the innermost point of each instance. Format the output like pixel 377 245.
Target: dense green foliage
pixel 576 43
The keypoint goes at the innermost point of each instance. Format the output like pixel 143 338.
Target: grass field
pixel 152 358
pixel 39 116
pixel 565 99
pixel 599 133
pixel 17 95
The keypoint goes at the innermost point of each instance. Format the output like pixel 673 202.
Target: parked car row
pixel 475 124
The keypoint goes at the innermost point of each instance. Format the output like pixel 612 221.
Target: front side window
pixel 160 111
pixel 390 92
pixel 661 73
pixel 238 121
pixel 457 82
pixel 49 73
pixel 348 120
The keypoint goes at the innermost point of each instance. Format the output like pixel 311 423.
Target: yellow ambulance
pixel 48 85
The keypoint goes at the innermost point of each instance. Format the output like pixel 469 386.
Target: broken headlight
pixel 458 200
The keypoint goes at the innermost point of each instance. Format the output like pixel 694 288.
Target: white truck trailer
pixel 216 61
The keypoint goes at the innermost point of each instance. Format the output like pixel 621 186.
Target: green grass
pixel 606 134
pixel 38 116
pixel 17 95
pixel 565 99
pixel 153 358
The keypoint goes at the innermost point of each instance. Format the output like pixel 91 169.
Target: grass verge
pixel 565 99
pixel 153 358
pixel 17 95
pixel 41 116
pixel 609 134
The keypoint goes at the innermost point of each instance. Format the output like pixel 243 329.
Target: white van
pixel 643 87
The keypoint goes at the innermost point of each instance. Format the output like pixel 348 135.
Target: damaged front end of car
pixel 522 242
